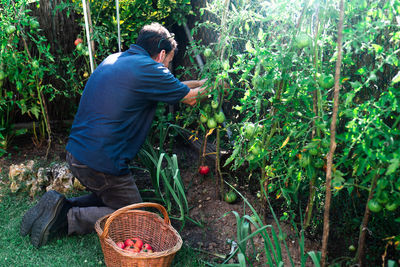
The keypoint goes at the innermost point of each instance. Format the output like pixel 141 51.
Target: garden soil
pixel 213 240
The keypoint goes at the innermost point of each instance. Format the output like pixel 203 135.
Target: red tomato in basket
pixel 147 248
pixel 132 249
pixel 121 245
pixel 137 242
pixel 129 242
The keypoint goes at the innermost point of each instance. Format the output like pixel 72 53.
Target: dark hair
pixel 154 38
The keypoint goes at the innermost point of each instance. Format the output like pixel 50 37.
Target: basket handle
pixel 134 206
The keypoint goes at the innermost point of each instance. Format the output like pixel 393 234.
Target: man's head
pixel 158 42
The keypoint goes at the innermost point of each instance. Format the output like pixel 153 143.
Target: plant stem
pixel 220 184
pixel 315 131
pixel 328 193
pixel 363 228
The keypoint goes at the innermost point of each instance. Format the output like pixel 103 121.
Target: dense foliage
pixel 279 59
pixel 35 72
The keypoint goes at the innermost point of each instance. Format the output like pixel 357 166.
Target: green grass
pixel 75 250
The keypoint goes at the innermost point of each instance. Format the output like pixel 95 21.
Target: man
pixel 113 118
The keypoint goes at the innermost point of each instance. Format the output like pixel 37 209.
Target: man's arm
pixel 193 95
pixel 194 83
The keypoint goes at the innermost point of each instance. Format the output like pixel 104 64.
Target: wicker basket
pixel 151 228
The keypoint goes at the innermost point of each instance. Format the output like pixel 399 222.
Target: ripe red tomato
pixel 147 248
pixel 204 170
pixel 78 41
pixel 128 243
pixel 121 244
pixel 132 249
pixel 137 242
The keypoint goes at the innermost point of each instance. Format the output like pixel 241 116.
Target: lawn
pixel 75 250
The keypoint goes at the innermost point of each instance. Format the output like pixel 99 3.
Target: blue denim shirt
pixel 117 107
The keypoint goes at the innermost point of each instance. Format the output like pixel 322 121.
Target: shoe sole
pixel 41 227
pixel 36 211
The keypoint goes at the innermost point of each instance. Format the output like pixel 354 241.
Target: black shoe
pixel 53 218
pixel 45 202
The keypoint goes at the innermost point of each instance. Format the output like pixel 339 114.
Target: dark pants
pixel 109 193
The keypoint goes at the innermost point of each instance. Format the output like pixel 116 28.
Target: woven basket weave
pixel 151 228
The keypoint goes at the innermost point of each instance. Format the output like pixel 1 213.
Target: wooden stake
pixel 328 193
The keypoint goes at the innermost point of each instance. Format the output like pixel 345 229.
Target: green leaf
pixel 316 257
pixel 378 48
pixel 35 111
pixel 249 47
pixel 396 78
pixel 233 156
pixel 395 163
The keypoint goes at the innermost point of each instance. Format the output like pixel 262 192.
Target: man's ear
pixel 160 56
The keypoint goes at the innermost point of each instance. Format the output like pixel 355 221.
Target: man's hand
pixel 197 90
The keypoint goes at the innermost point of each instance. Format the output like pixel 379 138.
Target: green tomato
pixel 203 118
pixel 352 248
pixel 34 24
pixel 207 52
pixel 302 40
pixel 207 108
pixel 211 123
pixel 383 197
pixel 230 197
pixel 214 104
pixel 249 129
pixel 79 46
pixel 391 206
pixel 219 117
pixel 2 75
pixel 256 150
pixel 86 52
pixel 374 206
pixel 10 29
pixel 313 151
pixel 35 64
pixel 326 81
pixel 325 143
